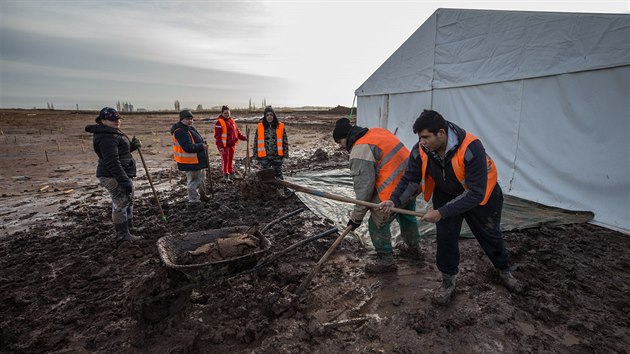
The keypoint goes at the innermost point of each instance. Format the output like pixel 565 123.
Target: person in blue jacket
pixel 450 167
pixel 190 152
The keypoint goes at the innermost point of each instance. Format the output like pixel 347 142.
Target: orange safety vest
pixel 457 161
pixel 262 152
pixel 224 131
pixel 182 156
pixel 391 166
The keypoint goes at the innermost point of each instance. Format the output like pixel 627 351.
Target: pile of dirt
pixel 341 110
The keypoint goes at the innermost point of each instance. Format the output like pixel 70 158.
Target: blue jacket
pixel 183 138
pixel 445 180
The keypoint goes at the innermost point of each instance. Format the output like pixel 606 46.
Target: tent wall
pixel 560 140
pixel 574 150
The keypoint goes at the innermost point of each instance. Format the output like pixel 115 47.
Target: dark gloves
pixel 127 186
pixel 135 142
pixel 353 224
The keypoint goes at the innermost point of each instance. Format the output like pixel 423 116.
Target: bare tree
pixel 177 105
pixel 199 108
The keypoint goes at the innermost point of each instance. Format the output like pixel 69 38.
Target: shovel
pixel 157 200
pixel 332 248
pixel 268 176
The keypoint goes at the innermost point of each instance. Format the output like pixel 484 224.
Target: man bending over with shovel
pixel 451 165
pixel 377 162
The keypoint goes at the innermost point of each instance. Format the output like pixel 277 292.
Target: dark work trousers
pixel 484 222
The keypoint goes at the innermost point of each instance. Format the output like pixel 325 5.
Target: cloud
pixel 51 56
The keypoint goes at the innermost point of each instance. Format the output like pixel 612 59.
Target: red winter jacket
pixel 233 134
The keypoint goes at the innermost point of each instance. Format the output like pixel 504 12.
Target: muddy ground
pixel 67 286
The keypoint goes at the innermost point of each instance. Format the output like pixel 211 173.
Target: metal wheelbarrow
pixel 173 248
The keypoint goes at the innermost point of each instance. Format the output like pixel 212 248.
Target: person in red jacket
pixel 227 135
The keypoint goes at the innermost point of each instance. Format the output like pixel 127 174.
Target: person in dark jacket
pixel 451 166
pixel 191 154
pixel 116 168
pixel 271 145
pixel 377 162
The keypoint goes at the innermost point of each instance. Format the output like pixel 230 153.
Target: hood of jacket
pixel 101 129
pixel 355 133
pixel 460 134
pixel 274 122
pixel 179 125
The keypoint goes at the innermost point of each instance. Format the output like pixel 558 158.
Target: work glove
pixel 127 186
pixel 135 142
pixel 353 224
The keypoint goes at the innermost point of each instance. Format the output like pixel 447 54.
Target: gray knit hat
pixel 185 114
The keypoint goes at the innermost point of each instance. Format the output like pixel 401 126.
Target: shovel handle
pixel 146 169
pixel 308 279
pixel 345 199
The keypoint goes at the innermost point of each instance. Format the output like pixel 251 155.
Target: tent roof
pixel 457 47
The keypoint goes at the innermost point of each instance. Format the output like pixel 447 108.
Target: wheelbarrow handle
pixel 266 261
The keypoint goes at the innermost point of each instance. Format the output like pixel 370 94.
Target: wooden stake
pixel 46 152
pixel 247 151
pixel 82 147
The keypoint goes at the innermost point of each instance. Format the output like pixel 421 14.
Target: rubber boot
pixel 123 234
pixel 384 264
pixel 508 280
pixel 411 252
pixel 444 293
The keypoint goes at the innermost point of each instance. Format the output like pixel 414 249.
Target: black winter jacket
pixel 183 138
pixel 445 180
pixel 114 153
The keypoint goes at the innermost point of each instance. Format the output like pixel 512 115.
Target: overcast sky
pixel 151 53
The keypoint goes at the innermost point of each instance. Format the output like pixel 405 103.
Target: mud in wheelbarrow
pixel 175 250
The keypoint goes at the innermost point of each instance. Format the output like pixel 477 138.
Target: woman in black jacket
pixel 116 168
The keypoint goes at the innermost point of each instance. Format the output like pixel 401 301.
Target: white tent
pixel 547 93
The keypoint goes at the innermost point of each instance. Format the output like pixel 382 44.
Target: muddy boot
pixel 443 294
pixel 204 198
pixel 226 178
pixel 411 252
pixel 384 264
pixel 508 280
pixel 122 233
